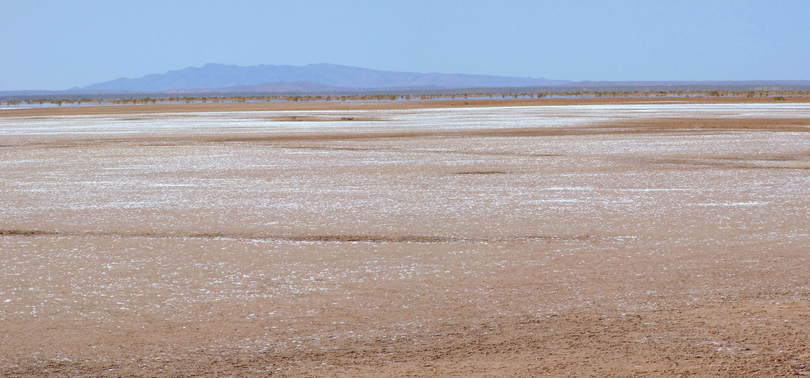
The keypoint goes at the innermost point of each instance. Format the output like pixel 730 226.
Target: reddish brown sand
pixel 654 247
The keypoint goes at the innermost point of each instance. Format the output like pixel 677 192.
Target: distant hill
pixel 308 78
pixel 221 79
pixel 280 87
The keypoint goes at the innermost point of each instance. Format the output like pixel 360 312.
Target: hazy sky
pixel 60 44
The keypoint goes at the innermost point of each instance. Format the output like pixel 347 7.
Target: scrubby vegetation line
pixel 143 99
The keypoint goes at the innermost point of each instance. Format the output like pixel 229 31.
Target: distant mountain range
pixel 308 78
pixel 222 79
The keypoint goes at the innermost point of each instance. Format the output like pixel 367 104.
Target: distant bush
pixel 779 95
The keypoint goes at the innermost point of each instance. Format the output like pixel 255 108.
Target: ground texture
pixel 663 238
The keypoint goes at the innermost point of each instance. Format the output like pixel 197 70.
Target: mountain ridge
pixel 216 76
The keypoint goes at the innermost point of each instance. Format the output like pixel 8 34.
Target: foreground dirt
pixel 666 246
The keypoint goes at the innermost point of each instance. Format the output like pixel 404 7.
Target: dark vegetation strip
pixel 654 92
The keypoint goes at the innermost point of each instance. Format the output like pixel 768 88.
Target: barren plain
pixel 594 239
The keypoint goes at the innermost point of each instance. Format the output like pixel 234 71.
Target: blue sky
pixel 62 44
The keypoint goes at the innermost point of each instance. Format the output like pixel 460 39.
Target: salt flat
pixel 395 119
pixel 536 240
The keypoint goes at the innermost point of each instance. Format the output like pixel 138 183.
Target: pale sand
pixel 518 245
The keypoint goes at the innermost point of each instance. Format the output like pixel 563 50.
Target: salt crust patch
pixel 393 120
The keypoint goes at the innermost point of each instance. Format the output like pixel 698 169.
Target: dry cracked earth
pixel 657 239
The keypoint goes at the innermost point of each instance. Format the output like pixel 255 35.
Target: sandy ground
pixel 589 240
